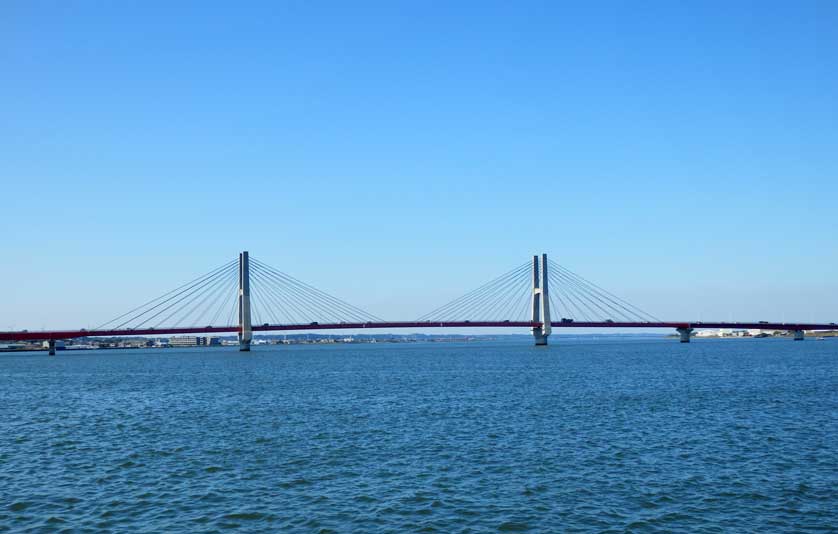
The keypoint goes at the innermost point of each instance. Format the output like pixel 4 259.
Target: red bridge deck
pixel 70 334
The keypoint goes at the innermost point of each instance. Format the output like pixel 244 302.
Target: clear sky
pixel 399 153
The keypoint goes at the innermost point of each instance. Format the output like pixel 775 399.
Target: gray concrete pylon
pixel 245 326
pixel 540 300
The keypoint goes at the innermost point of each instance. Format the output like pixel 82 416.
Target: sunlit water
pixel 640 436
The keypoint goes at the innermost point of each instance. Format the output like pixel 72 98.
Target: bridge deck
pixel 70 334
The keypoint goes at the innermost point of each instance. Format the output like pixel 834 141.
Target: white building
pixel 187 341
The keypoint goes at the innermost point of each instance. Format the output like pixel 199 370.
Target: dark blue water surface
pixel 599 436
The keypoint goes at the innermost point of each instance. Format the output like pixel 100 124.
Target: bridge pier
pixel 799 335
pixel 51 347
pixel 540 301
pixel 245 326
pixel 685 334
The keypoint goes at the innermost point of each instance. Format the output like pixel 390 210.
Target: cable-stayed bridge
pixel 246 295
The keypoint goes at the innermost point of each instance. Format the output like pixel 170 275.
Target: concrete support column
pixel 685 334
pixel 51 347
pixel 245 326
pixel 540 301
pixel 798 335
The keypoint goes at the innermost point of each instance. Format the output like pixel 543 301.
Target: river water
pixel 585 435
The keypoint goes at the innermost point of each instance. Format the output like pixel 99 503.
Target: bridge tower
pixel 245 326
pixel 540 300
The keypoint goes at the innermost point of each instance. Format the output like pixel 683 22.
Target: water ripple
pixel 603 436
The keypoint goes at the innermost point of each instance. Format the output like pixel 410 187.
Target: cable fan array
pixel 209 299
pixel 279 298
pixel 509 298
pixel 212 300
pixel 574 297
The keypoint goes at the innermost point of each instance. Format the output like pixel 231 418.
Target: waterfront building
pixel 187 341
pixel 707 333
pixel 135 343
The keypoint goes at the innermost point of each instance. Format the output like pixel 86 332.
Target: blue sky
pixel 397 154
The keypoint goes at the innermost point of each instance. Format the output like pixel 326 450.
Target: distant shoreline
pixel 826 333
pixel 331 339
pixel 295 339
